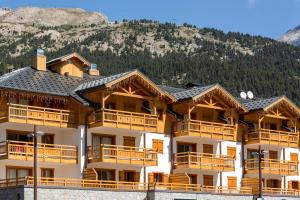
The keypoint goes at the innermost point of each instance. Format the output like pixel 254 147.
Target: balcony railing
pixel 37 115
pixel 122 155
pixel 121 185
pixel 15 150
pixel 272 166
pixel 279 191
pixel 194 160
pixel 206 129
pixel 273 137
pixel 124 119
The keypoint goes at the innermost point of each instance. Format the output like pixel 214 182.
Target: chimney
pixel 38 60
pixel 93 71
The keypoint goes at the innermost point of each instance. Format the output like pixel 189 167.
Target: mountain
pixel 167 53
pixel 50 16
pixel 292 36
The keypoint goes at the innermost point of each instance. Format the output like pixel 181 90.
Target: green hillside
pixel 180 54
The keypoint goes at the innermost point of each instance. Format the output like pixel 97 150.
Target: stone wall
pixel 44 193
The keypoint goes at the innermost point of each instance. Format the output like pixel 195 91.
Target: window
pixel 231 151
pixel 273 126
pixel 208 180
pixel 273 155
pixel 273 183
pixel 193 178
pixel 129 141
pixel 129 176
pixel 47 174
pixel 48 139
pixel 158 145
pixel 158 177
pixel 18 172
pixel 208 148
pixel 106 174
pixel 186 147
pixel 18 136
pixel 98 139
pixel 160 113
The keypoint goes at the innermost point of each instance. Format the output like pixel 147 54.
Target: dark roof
pixel 181 94
pixel 46 82
pixel 258 103
pixel 169 89
pixel 100 82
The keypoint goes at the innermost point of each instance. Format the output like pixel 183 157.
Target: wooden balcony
pixel 273 137
pixel 272 166
pixel 15 150
pixel 203 161
pixel 124 119
pixel 206 129
pixel 121 185
pixel 281 192
pixel 37 115
pixel 122 155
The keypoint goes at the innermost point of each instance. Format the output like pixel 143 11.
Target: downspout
pixel 220 151
pixel 144 144
pixel 85 137
pixel 171 149
pixel 284 177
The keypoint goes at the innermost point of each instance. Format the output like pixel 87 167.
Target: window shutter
pixel 150 177
pixel 231 151
pixel 121 176
pixel 158 145
pixel 269 183
pixel 166 178
pixel 290 185
pixel 294 157
pixel 137 177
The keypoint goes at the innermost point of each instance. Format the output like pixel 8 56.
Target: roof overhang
pixel 68 57
pixel 225 95
pixel 285 102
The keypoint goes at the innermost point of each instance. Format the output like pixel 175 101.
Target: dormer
pixel 70 65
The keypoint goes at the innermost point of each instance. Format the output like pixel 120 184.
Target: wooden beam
pixel 132 95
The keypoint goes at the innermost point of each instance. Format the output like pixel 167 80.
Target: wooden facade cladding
pixel 273 137
pixel 206 129
pixel 122 155
pixel 204 161
pixel 272 166
pixel 212 114
pixel 16 150
pixel 124 119
pixel 36 115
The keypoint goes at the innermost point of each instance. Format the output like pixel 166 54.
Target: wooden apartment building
pixel 124 131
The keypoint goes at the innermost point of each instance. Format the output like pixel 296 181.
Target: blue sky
pixel 270 18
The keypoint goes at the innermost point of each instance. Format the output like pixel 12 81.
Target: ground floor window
pixel 17 172
pixel 106 174
pixel 47 173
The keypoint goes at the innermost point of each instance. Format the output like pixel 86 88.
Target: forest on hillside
pixel 272 69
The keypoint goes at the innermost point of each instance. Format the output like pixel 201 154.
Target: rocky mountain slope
pixel 50 16
pixel 167 53
pixel 292 36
